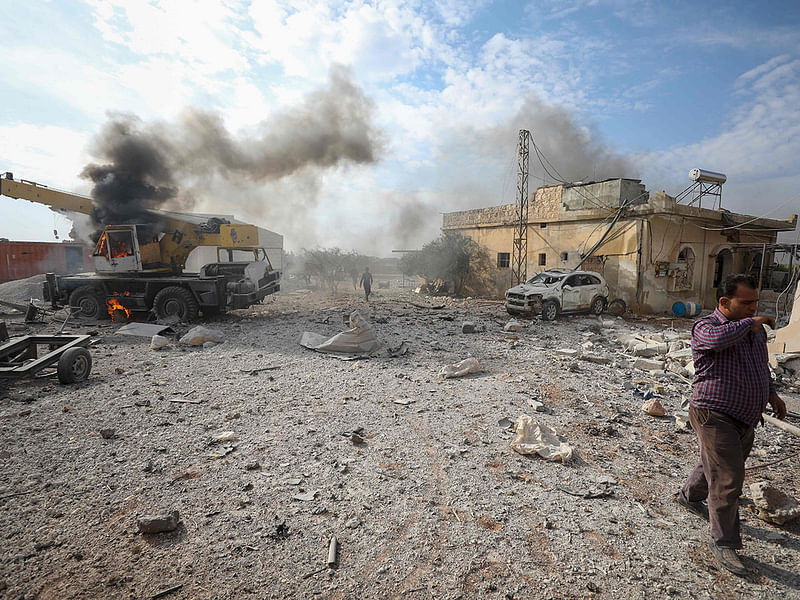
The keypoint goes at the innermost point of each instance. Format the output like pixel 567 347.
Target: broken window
pixel 542 259
pixel 564 255
pixel 503 260
pixel 684 274
pixel 542 225
pixel 101 249
pixel 120 243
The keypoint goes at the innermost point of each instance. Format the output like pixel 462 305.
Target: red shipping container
pixel 19 260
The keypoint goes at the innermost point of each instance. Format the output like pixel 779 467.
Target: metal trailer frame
pixel 19 357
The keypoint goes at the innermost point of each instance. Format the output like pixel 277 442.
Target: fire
pixel 118 312
pixel 119 249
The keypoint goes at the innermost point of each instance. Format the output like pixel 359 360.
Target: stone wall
pixel 493 215
pixel 546 203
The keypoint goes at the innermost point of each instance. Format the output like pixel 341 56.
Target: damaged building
pixel 656 251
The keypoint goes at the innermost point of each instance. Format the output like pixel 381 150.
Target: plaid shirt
pixel 731 368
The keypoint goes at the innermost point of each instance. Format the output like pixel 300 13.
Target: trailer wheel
pixel 89 302
pixel 176 301
pixel 74 365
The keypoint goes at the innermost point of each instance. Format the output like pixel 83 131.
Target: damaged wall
pixel 658 253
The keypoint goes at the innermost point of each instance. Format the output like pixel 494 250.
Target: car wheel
pixel 550 310
pixel 598 306
pixel 74 365
pixel 175 301
pixel 87 301
pixel 617 307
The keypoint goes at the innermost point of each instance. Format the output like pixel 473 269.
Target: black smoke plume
pixel 158 165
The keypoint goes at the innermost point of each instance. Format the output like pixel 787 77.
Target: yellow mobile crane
pixel 139 267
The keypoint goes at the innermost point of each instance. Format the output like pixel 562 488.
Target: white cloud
pixel 760 143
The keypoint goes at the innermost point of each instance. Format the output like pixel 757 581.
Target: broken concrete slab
pixel 647 364
pixel 649 350
pixel 468 327
pixel 596 358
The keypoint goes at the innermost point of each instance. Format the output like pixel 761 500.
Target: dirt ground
pixel 433 503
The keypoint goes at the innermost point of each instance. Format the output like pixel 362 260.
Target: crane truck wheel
pixel 87 301
pixel 175 301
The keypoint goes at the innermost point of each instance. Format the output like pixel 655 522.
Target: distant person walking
pixel 366 282
pixel 731 389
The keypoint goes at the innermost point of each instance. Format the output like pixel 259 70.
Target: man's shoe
pixel 696 508
pixel 728 560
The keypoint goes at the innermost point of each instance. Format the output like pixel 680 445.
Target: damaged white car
pixel 557 291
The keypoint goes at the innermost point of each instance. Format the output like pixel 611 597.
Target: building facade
pixel 657 252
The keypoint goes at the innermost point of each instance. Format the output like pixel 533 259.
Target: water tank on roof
pixel 707 176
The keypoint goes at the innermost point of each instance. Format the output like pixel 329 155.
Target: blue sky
pixel 651 89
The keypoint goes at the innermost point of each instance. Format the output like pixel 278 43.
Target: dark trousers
pixel 725 444
pixel 367 291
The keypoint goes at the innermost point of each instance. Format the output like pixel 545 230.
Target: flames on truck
pixel 139 268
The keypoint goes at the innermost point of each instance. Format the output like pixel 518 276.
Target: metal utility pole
pixel 519 256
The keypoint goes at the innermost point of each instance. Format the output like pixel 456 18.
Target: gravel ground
pixel 432 504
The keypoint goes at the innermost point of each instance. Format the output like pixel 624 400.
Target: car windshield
pixel 545 278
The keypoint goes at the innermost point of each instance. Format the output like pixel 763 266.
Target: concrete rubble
pixel 773 505
pixel 269 450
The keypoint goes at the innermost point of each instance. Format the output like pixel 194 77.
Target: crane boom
pixel 36 192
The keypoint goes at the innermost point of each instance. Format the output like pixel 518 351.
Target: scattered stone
pixel 294 481
pixel 682 421
pixel 157 342
pixel 596 358
pixel 465 367
pixel 207 345
pixel 197 336
pixel 774 506
pixel 538 406
pixel 5 454
pixel 654 408
pixel 159 523
pixel 647 364
pixel 108 433
pixel 224 437
pixel 468 327
pixel 307 496
pixel 514 325
pixel 253 466
pixel 353 523
pixel 567 352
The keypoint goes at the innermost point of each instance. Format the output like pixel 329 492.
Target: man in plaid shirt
pixel 731 389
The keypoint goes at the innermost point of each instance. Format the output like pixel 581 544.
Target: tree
pixel 452 257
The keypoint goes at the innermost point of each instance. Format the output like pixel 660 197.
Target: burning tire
pixel 175 301
pixel 87 301
pixel 74 365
